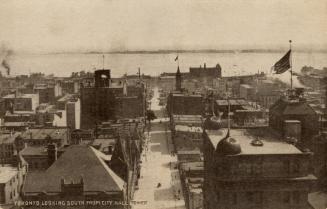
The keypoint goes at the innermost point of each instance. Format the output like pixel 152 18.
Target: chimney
pixel 292 130
pixel 52 154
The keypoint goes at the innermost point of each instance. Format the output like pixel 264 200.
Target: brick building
pixel 7 147
pixel 185 104
pixel 42 137
pixel 78 177
pixel 199 72
pixel 254 168
pixel 12 178
pixel 105 100
pixel 21 102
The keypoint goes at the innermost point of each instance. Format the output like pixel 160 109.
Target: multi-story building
pixel 21 102
pixel 11 182
pixel 294 108
pixel 79 136
pixel 185 104
pixel 42 137
pixel 247 92
pixel 48 92
pixel 199 72
pixel 80 174
pixel 254 168
pixel 7 147
pixel 105 100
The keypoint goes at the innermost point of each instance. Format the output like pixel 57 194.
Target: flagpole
pixel 291 64
pixel 178 59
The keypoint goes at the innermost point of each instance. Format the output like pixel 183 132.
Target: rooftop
pixel 7 172
pixel 54 133
pixel 246 86
pixel 31 150
pixel 185 128
pixel 271 141
pixel 71 166
pixel 6 138
pixel 224 102
pixel 292 107
pixel 11 96
pixel 192 165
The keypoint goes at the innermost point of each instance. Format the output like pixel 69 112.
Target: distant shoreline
pixel 213 51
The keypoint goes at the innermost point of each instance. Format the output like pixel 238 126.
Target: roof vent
pixel 257 143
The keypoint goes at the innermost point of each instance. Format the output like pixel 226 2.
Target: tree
pixel 150 115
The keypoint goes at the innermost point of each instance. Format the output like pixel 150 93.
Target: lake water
pixel 154 64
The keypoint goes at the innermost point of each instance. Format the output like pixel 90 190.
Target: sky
pixel 120 25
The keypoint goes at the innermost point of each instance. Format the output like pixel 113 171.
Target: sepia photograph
pixel 163 104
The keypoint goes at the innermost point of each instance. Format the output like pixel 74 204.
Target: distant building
pixel 21 102
pixel 200 72
pixel 104 100
pixel 267 93
pixel 192 174
pixel 187 137
pixel 7 147
pixel 78 136
pixel 253 168
pixel 41 158
pixel 296 108
pixel 98 101
pixel 185 104
pixel 42 137
pixel 247 92
pixel 11 182
pixel 48 92
pixel 78 177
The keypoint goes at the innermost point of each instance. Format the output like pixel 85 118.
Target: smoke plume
pixel 5 54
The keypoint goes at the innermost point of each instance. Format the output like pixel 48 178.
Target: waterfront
pixel 154 64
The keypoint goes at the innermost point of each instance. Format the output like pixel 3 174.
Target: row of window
pixel 257 197
pixel 288 167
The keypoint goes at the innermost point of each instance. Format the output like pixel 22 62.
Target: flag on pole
pixel 176 58
pixel 283 64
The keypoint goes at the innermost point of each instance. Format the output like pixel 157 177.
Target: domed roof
pixel 228 146
pixel 210 124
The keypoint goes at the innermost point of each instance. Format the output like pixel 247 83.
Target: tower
pixel 178 80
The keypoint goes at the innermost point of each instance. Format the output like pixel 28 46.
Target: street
pixel 159 184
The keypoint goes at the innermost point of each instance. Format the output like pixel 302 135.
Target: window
pixel 249 196
pixel 234 198
pixel 296 166
pixel 296 197
pixel 286 197
pixel 287 166
pixel 218 196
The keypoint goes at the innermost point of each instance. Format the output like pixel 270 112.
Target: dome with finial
pixel 228 146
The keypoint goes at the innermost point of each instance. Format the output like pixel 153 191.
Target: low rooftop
pixel 54 133
pixel 7 138
pixel 186 128
pixel 7 172
pixel 272 143
pixel 11 96
pixel 77 162
pixel 33 151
